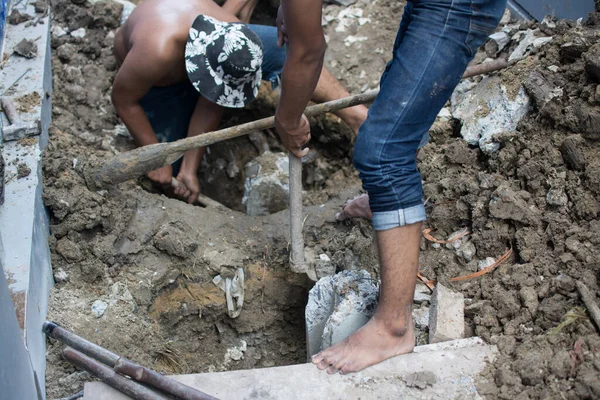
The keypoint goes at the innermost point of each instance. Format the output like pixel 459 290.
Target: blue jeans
pixel 435 42
pixel 169 109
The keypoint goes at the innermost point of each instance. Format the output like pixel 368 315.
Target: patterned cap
pixel 223 61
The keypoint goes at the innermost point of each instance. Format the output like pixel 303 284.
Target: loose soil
pixel 152 258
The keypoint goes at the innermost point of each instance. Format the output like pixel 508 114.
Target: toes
pixel 323 360
pixel 332 370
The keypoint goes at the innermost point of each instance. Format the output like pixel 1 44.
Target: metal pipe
pixel 110 377
pixel 153 378
pixel 296 238
pixel 123 365
pixel 57 332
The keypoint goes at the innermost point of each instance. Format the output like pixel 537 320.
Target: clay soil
pixel 152 259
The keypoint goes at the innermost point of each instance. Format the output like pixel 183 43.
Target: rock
pixel 483 264
pixel 176 238
pixel 69 250
pixel 422 293
pixel 540 89
pixel 26 48
pixel 236 353
pixel 421 317
pixel 107 14
pixel 446 319
pixel 65 52
pixel 79 33
pixel 16 17
pixel 337 306
pixel 467 251
pixel 496 43
pixel 488 110
pixel 324 266
pixel 572 151
pixel 57 32
pixel 592 62
pixel 128 8
pixel 267 184
pixel 60 276
pixel 99 308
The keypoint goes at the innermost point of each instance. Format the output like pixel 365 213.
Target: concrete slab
pixel 442 371
pixel 23 217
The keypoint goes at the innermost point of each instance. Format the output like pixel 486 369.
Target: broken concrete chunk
pixel 447 318
pixel 267 184
pixel 57 32
pixel 421 317
pixel 572 151
pixel 496 43
pixel 26 48
pixel 487 110
pixel 99 308
pixel 337 306
pixel 422 293
pixel 78 33
pixel 483 264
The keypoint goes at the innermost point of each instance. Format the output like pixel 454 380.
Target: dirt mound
pixel 151 259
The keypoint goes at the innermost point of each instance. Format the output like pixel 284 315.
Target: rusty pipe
pixel 110 376
pixel 123 365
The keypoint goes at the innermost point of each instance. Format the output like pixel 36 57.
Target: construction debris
pixel 337 306
pixel 447 317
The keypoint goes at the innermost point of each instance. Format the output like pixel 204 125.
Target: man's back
pixel 158 30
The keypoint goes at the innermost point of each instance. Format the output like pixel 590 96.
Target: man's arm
pixel 306 49
pixel 135 78
pixel 205 118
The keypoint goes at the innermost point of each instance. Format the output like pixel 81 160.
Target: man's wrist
pixel 286 122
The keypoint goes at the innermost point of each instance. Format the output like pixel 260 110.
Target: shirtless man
pixel 163 90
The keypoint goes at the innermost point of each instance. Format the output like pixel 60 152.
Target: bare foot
pixel 371 344
pixel 358 207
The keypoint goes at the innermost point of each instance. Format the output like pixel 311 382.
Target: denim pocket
pixel 485 15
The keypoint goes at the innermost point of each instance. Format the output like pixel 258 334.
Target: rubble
pixel 446 318
pixel 487 110
pixel 99 308
pixel 267 185
pixel 337 306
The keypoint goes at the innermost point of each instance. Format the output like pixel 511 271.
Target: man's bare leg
pixel 391 330
pixel 329 88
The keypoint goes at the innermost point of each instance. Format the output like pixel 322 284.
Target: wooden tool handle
pixel 202 199
pixel 131 164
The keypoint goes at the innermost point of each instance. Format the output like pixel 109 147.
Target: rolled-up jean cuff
pixel 384 220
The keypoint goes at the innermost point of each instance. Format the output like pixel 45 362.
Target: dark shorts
pixel 170 108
